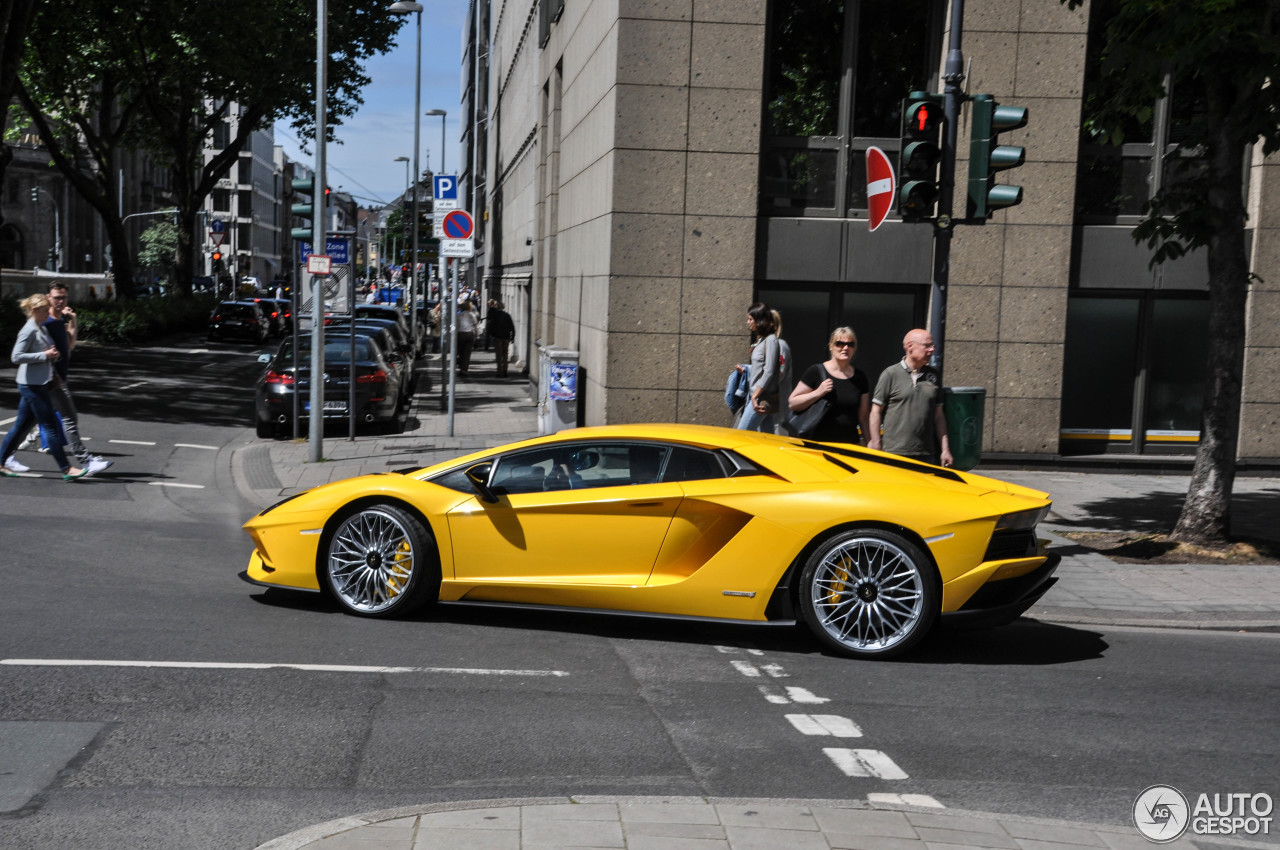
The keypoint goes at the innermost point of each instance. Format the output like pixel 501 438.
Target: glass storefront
pixel 1133 372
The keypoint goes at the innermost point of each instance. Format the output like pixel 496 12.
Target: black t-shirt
pixel 840 425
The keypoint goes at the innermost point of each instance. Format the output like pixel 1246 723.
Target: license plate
pixel 329 407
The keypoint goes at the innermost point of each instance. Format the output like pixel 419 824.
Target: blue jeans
pixel 34 405
pixel 750 420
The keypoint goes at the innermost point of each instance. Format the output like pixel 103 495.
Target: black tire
pixel 266 430
pixel 867 593
pixel 379 560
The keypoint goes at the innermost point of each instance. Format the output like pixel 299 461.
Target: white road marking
pixel 905 800
pixel 7 421
pixel 798 695
pixel 864 763
pixel 825 724
pixel 312 668
pixel 132 442
pixel 175 484
pixel 733 650
pixel 195 446
pixel 130 387
pixel 751 671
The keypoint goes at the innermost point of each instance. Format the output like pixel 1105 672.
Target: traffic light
pixel 986 157
pixel 918 157
pixel 304 210
pixel 217 256
pixel 35 194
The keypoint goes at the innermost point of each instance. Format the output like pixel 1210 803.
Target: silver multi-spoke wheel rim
pixel 371 560
pixel 868 594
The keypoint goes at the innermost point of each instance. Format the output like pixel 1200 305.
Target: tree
pixel 107 79
pixel 159 247
pixel 1219 58
pixel 15 18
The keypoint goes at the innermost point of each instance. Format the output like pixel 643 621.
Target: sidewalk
pixel 1092 589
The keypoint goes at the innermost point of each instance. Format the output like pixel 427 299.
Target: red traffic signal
pixel 217 255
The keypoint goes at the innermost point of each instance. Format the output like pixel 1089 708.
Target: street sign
pixel 216 236
pixel 318 264
pixel 457 232
pixel 444 192
pixel 338 249
pixel 217 226
pixel 880 187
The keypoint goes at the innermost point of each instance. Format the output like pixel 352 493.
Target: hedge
pixel 122 322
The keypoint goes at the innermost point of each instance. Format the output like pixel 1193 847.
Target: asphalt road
pixel 137 708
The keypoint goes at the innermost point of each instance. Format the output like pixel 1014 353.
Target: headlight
pixel 1021 519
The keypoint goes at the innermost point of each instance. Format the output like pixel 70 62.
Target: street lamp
pixel 405 160
pixel 441 113
pixel 406 7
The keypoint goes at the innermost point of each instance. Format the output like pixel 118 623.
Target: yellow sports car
pixel 867 548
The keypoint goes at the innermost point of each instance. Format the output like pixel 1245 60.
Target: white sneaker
pixel 93 467
pixel 26 443
pixel 11 463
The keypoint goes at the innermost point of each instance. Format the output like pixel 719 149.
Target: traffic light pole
pixel 953 95
pixel 315 432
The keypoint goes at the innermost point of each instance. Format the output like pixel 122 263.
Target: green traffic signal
pixel 919 155
pixel 987 120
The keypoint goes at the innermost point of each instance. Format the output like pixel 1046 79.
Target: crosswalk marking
pixel 864 763
pixel 751 671
pixel 132 442
pixel 825 724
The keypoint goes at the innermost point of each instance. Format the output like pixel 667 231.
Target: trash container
pixel 557 390
pixel 963 407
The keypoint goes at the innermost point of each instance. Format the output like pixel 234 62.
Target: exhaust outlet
pixel 368 417
pixel 282 419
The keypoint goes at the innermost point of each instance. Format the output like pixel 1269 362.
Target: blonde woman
pixel 835 379
pixel 34 354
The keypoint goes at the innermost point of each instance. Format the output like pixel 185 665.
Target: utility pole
pixel 315 433
pixel 943 228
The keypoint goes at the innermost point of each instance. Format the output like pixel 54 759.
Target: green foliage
pixel 143 321
pixel 159 242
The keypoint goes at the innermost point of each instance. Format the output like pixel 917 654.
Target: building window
pixel 837 74
pixel 1121 171
pixel 1133 372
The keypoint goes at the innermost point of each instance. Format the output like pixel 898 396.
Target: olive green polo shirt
pixel 908 400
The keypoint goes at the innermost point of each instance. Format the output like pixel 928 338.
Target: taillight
pixel 283 378
pixel 217 317
pixel 378 377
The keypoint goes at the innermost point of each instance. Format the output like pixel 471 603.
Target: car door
pixel 570 513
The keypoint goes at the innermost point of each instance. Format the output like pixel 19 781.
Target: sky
pixel 364 164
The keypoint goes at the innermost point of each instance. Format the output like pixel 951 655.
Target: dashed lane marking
pixel 751 671
pixel 175 484
pixel 733 650
pixel 796 695
pixel 825 724
pixel 311 668
pixel 195 446
pixel 132 442
pixel 905 800
pixel 864 763
pixel 131 387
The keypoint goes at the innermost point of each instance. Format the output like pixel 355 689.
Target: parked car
pixel 866 549
pixel 271 310
pixel 385 334
pixel 377 400
pixel 203 283
pixel 243 319
pixel 380 311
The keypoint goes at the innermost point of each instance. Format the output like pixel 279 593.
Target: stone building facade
pixel 646 169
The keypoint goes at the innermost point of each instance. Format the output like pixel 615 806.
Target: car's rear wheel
pixel 869 593
pixel 380 561
pixel 266 429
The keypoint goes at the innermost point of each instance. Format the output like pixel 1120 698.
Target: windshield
pixel 336 350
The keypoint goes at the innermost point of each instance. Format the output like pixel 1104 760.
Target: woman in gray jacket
pixel 34 353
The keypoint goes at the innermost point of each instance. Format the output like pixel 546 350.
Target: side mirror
pixel 478 475
pixel 264 358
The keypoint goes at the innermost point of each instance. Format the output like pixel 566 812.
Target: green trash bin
pixel 963 407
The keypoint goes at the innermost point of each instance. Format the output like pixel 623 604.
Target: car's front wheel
pixel 869 593
pixel 380 561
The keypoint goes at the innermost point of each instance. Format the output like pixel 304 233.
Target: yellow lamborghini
pixel 867 549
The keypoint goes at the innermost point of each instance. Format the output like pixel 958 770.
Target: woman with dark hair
pixel 34 353
pixel 762 396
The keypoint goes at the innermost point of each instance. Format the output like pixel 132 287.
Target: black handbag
pixel 803 423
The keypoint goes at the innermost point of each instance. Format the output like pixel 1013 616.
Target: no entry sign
pixel 879 187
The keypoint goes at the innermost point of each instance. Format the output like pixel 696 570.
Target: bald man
pixel 907 402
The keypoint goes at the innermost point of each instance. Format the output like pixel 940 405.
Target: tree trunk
pixel 1206 513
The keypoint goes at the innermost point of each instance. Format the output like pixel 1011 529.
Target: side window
pixel 688 464
pixel 581 466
